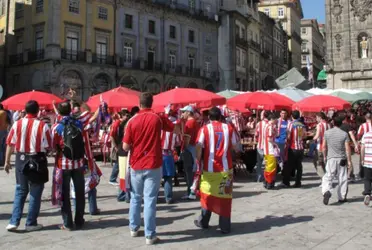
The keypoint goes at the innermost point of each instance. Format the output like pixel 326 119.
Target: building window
pixel 256 62
pixel 128 53
pixel 39 41
pixel 73 6
pixel 101 49
pixel 16 82
pixel 267 12
pixel 2 7
pixel 19 10
pixel 281 12
pixel 191 36
pixel 102 13
pixel 172 32
pixel 39 6
pixel 128 21
pixel 152 27
pixel 237 57
pixel 208 39
pixel 72 45
pixel 244 59
pixel 303 30
pixel 191 62
pixel 172 59
pixel 192 4
pixel 207 65
pixel 19 45
pixel 304 58
pixel 304 47
pixel 242 33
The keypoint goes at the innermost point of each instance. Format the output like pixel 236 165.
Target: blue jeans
pixel 22 189
pixel 144 183
pixel 114 172
pixel 168 187
pixel 224 222
pixel 192 150
pixel 260 165
pixel 77 176
pixel 3 135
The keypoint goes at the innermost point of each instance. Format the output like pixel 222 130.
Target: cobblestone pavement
pixel 276 219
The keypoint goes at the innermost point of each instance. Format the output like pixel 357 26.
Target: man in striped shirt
pixel 318 160
pixel 72 170
pixel 364 128
pixel 30 138
pixel 269 134
pixel 366 155
pixel 296 135
pixel 168 144
pixel 259 139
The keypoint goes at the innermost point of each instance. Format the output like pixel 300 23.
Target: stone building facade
pixel 145 45
pixel 347 22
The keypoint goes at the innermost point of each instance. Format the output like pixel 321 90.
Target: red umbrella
pixel 259 100
pixel 185 96
pixel 319 103
pixel 17 102
pixel 116 99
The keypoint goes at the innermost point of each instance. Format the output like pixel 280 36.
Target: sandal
pixel 63 227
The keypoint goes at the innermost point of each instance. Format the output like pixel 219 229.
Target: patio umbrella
pixel 116 99
pixel 363 96
pixel 294 93
pixel 319 103
pixel 179 97
pixel 17 102
pixel 345 96
pixel 259 100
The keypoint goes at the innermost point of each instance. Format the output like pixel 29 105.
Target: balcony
pixel 175 69
pixel 195 72
pixel 255 45
pixel 103 59
pixel 241 41
pixel 36 55
pixel 157 67
pixel 266 54
pixel 16 59
pixel 135 64
pixel 73 55
pixel 211 75
pixel 305 51
pixel 295 36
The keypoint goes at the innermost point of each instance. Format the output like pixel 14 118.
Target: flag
pixel 309 69
pixel 124 178
pixel 216 192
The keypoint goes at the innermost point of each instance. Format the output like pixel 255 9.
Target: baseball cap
pixel 188 108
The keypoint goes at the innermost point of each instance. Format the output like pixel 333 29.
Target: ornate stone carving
pixel 361 8
pixel 338 39
pixel 337 10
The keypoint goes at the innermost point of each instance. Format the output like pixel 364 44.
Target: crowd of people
pixel 148 150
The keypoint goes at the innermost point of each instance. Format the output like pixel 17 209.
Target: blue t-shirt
pixel 282 128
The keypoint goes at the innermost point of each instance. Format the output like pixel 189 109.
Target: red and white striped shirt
pixel 30 135
pixel 269 134
pixel 259 133
pixel 217 139
pixel 367 142
pixel 61 161
pixel 296 134
pixel 364 128
pixel 168 140
pixel 322 127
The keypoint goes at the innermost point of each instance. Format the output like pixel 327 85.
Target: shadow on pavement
pixel 239 228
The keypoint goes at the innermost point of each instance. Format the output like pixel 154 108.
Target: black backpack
pixel 73 141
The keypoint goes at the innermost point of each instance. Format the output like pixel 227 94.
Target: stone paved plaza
pixel 261 219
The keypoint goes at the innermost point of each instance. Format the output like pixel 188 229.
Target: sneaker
pixel 34 228
pixel 367 199
pixel 11 227
pixel 152 240
pixel 192 197
pixel 134 233
pixel 114 183
pixel 327 195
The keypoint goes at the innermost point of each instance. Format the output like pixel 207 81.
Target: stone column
pixel 53 27
pixel 89 33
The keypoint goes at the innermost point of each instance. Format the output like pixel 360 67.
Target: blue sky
pixel 314 9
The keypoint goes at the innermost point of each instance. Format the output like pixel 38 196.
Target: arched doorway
pixel 100 83
pixel 130 82
pixel 192 85
pixel 69 79
pixel 210 88
pixel 172 84
pixel 152 85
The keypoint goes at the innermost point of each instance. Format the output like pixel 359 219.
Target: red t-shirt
pixel 143 134
pixel 192 128
pixel 114 130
